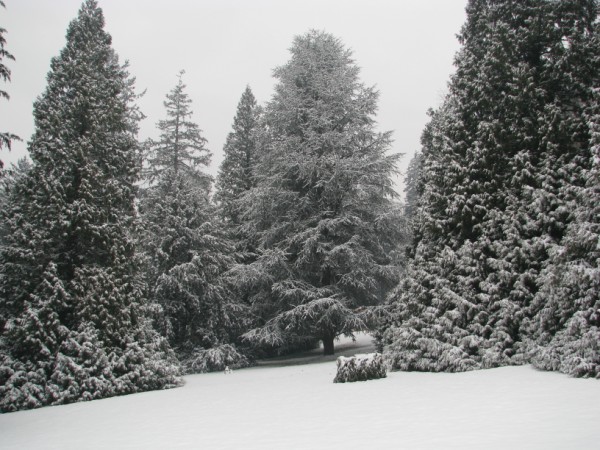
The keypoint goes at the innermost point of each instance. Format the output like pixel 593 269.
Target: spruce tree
pixel 75 319
pixel 187 252
pixel 322 209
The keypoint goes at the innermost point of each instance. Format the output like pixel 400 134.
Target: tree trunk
pixel 328 346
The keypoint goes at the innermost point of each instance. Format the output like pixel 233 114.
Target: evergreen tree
pixel 76 325
pixel 564 331
pixel 9 179
pixel 181 148
pixel 5 138
pixel 321 209
pixel 236 171
pixel 186 249
pixel 512 143
pixel 413 186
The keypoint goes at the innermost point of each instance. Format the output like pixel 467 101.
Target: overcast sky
pixel 405 48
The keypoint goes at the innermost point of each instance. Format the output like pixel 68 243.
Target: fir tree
pixel 321 209
pixel 186 249
pixel 71 289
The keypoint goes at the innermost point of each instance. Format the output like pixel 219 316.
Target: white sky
pixel 405 48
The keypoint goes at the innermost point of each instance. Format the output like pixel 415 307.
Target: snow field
pixel 299 407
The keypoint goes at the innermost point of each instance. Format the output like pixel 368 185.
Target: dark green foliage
pixel 74 316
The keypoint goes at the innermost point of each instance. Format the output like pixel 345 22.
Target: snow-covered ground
pixel 293 404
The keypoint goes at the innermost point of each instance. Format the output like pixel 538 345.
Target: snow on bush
pixel 214 359
pixel 369 366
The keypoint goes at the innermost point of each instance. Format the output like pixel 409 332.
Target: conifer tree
pixel 236 171
pixel 75 319
pixel 186 249
pixel 322 208
pixel 513 139
pixel 564 329
pixel 181 148
pixel 413 186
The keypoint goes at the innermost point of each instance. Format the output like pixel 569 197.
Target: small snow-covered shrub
pixel 363 367
pixel 214 359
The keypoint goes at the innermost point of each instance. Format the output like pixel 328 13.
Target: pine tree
pixel 322 208
pixel 186 248
pixel 70 286
pixel 5 138
pixel 236 171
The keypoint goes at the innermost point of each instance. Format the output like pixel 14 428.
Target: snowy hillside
pixel 293 404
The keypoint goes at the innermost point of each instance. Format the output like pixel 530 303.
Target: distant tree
pixel 321 210
pixel 181 148
pixel 70 288
pixel 187 251
pixel 5 138
pixel 11 177
pixel 413 186
pixel 236 174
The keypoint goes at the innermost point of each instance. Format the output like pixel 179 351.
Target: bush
pixel 214 359
pixel 360 368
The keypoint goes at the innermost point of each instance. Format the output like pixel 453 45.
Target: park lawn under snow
pixel 293 404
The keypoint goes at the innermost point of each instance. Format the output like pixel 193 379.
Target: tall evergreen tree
pixel 322 208
pixel 5 137
pixel 564 330
pixel 512 136
pixel 236 171
pixel 185 244
pixel 75 321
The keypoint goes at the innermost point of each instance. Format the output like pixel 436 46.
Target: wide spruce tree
pixel 322 210
pixel 500 160
pixel 185 246
pixel 74 320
